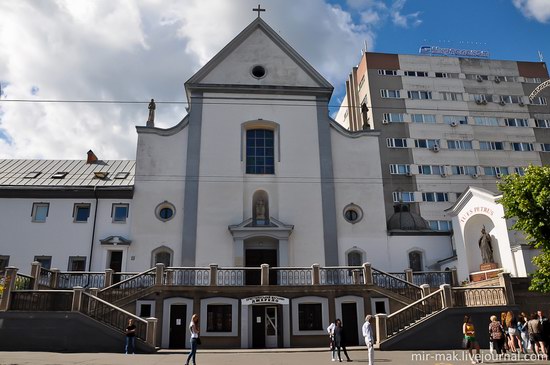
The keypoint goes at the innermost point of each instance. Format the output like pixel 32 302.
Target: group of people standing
pixel 338 340
pixel 511 334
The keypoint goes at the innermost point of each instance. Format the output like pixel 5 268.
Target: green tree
pixel 527 200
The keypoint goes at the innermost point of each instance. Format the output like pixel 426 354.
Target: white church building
pixel 256 173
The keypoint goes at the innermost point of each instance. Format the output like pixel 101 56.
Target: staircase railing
pixel 396 285
pixel 479 297
pixel 414 312
pixel 128 287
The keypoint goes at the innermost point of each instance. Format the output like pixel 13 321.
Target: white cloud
pixel 134 51
pixel 404 20
pixel 537 9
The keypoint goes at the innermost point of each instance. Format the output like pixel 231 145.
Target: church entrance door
pixel 255 258
pixel 265 326
pixel 178 326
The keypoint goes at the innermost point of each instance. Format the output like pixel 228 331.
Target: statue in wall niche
pixel 151 119
pixel 260 210
pixel 486 247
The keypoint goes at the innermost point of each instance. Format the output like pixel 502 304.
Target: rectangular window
pixel 438 225
pixel 4 262
pixel 416 73
pixel 511 99
pixel 59 175
pixel 435 197
pixel 397 169
pixel 218 318
pixel 431 169
pixel 387 72
pixel 459 145
pixel 533 80
pixel 390 94
pixel 45 261
pixel 403 196
pixel 463 170
pixel 423 118
pixel 310 317
pixel 491 146
pixel 40 212
pixel 488 121
pixel 394 117
pixel 455 119
pixel 441 75
pixel 419 95
pixel 519 170
pixel 81 212
pixel 32 175
pixel 426 143
pixel 121 175
pixel 542 123
pixel 539 100
pixel 452 96
pixel 522 146
pixel 119 212
pixel 516 122
pixel 260 151
pixel 77 263
pixel 396 142
pixel 495 171
pixel 545 147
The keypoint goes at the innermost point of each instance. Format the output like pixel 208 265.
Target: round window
pixel 165 211
pixel 353 213
pixel 258 71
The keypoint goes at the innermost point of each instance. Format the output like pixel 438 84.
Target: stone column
pixel 9 286
pixel 315 274
pixel 356 276
pixel 35 273
pixel 108 277
pixel 213 274
pixel 159 274
pixel 454 277
pixel 151 335
pixel 506 282
pixel 54 279
pixel 77 298
pixel 446 296
pixel 264 275
pixel 169 277
pixel 381 329
pixel 367 273
pixel 409 275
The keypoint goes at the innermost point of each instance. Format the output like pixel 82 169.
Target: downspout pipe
pixel 93 229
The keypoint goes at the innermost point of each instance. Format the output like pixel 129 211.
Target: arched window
pixel 355 258
pixel 162 255
pixel 260 151
pixel 415 261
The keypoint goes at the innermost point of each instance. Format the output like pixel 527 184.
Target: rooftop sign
pixel 437 51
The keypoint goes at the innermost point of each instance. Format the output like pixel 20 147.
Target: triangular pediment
pixel 259 45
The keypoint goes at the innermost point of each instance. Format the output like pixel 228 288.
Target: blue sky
pixel 104 50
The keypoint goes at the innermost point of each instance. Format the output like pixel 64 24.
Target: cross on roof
pixel 258 9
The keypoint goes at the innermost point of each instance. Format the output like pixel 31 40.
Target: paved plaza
pixel 250 357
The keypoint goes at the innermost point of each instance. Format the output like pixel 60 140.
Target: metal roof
pixel 79 173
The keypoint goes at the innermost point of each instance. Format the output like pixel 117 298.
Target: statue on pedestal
pixel 151 119
pixel 486 247
pixel 260 210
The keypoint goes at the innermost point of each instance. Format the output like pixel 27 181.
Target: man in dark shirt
pixel 130 337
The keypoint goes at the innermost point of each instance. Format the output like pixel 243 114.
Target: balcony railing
pixel 479 297
pixel 43 300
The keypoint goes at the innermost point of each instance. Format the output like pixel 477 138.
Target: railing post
pixel 454 277
pixel 151 334
pixel 94 291
pixel 159 273
pixel 315 274
pixel 108 277
pixel 367 273
pixel 54 279
pixel 424 291
pixel 506 282
pixel 77 298
pixel 264 275
pixel 9 286
pixel 213 274
pixel 446 296
pixel 409 275
pixel 169 277
pixel 381 328
pixel 35 273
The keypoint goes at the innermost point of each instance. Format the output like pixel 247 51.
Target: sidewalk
pixel 250 357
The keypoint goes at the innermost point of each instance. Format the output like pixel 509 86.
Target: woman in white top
pixel 194 329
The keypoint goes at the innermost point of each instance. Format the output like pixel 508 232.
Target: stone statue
pixel 486 247
pixel 151 120
pixel 260 210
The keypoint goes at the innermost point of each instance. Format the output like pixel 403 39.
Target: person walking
pixel 195 339
pixel 369 338
pixel 330 330
pixel 470 341
pixel 340 340
pixel 130 337
pixel 534 327
pixel 522 328
pixel 496 334
pixel 513 333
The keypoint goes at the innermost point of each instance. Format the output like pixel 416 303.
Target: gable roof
pixel 259 25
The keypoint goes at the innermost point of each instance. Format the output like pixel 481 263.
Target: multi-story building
pixel 447 123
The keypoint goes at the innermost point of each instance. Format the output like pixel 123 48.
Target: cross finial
pixel 258 9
